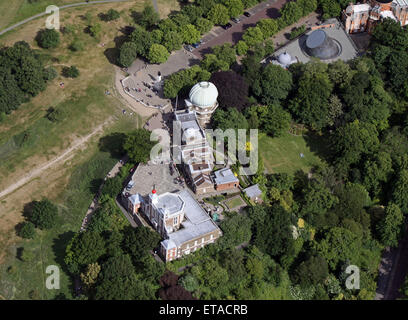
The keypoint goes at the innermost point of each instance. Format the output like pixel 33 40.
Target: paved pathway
pixel 392 271
pixel 62 7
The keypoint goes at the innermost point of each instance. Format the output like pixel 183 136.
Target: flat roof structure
pixel 170 202
pixel 253 191
pixel 225 176
pixel 147 176
pixel 197 224
pixel 295 48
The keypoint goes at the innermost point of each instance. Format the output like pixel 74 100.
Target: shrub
pixel 50 73
pixel 70 72
pixel 112 15
pixel 27 255
pixel 76 45
pixel 27 230
pixel 44 214
pixel 48 38
pixel 158 54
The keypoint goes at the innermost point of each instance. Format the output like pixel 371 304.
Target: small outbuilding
pixel 254 193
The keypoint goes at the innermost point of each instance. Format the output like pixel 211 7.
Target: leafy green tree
pixel 317 199
pixel 142 40
pixel 139 241
pixel 213 64
pixel 330 8
pixel 149 17
pixel 48 38
pixel 268 27
pixel 307 6
pixel 193 12
pixel 190 34
pixel 353 141
pixel 277 121
pixel 273 84
pixel 172 40
pixel 182 81
pixel 189 282
pixel 138 145
pixel 127 54
pixel 44 214
pixel 83 249
pixel 226 53
pixel 291 12
pixel 107 216
pixel 271 229
pixel 311 102
pixel 241 47
pixel 118 281
pixel 253 35
pixel 26 230
pixel 167 25
pixel 377 171
pixel 157 36
pixel 158 54
pixel 236 230
pixel 228 119
pixel 390 34
pixel 235 7
pixel 339 245
pixel 181 20
pixel 213 278
pixel 219 14
pixel 203 25
pixel 311 272
pixel 400 191
pixel 391 226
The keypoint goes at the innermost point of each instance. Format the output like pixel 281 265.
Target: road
pixel 219 36
pixel 62 7
pixel 38 171
pixel 392 271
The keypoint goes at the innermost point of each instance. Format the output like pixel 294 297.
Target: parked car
pixel 236 20
pixel 247 14
pixel 196 45
pixel 130 185
pixel 189 48
pixel 227 26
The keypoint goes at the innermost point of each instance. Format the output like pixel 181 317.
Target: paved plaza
pixel 143 83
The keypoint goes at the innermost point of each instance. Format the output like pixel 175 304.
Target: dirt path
pixel 38 171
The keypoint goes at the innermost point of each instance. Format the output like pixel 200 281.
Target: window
pixel 175 221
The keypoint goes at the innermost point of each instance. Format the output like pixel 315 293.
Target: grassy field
pixel 282 155
pixel 15 11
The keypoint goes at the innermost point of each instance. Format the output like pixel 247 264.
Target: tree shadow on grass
pixel 28 209
pixel 59 246
pixel 319 145
pixel 112 54
pixel 95 185
pixel 113 143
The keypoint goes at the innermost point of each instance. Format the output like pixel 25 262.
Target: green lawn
pixel 282 155
pixel 234 202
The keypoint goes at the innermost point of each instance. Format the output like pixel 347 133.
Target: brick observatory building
pixel 362 17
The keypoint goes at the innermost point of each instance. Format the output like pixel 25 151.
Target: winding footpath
pixel 62 7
